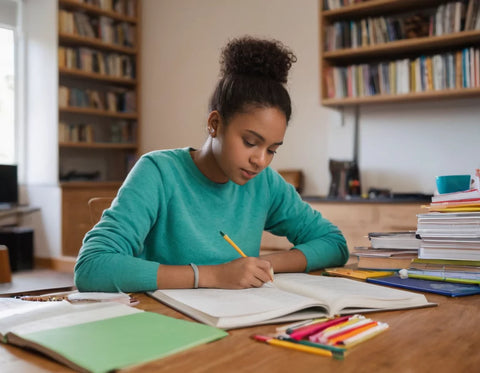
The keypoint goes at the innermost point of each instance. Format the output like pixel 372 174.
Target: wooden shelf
pixel 92 9
pixel 409 49
pixel 70 39
pixel 103 113
pixel 428 95
pixel 76 73
pixel 409 46
pixel 376 7
pixel 98 145
pixel 90 184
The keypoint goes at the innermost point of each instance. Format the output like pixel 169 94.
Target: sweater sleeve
pixel 318 239
pixel 111 258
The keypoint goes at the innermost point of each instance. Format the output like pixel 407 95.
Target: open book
pixel 97 337
pixel 292 296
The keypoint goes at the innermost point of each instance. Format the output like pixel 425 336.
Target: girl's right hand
pixel 239 274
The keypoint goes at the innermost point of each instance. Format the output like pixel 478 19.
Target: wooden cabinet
pixel 356 220
pixel 98 95
pixel 398 50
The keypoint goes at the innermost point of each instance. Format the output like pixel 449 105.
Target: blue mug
pixel 452 183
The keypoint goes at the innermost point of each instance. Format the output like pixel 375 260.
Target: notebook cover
pixel 430 286
pixel 106 345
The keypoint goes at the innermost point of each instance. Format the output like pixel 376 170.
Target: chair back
pixel 96 206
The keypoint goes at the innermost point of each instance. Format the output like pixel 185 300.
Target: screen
pixel 8 184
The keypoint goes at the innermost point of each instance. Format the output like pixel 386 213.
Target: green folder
pixel 115 343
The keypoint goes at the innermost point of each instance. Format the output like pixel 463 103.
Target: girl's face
pixel 247 144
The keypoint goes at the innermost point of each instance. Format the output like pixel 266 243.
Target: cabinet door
pixel 75 215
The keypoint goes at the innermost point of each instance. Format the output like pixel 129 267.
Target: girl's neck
pixel 207 164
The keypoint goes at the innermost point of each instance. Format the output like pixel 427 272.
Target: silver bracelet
pixel 195 275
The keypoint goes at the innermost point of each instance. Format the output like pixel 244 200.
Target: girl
pixel 163 228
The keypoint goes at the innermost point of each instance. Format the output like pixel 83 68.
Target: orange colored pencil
pixel 352 332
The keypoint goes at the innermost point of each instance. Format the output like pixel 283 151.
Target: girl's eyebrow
pixel 262 138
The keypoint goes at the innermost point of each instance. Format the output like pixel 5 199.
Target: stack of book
pixel 388 250
pixel 449 235
pixel 468 201
pixel 450 238
pixel 460 271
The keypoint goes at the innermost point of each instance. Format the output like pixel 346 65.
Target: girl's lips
pixel 248 174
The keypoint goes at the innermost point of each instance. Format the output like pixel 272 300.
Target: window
pixel 9 98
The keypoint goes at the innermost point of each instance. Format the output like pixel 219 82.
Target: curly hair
pixel 253 74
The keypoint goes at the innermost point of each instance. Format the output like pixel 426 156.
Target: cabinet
pixel 356 220
pixel 398 50
pixel 98 95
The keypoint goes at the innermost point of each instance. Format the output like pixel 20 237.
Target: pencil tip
pixel 223 234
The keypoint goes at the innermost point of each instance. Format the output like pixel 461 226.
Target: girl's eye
pixel 247 143
pixel 273 152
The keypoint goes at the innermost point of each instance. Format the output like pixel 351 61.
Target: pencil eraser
pixel 403 273
pixel 261 338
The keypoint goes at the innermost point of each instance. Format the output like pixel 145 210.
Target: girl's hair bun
pixel 257 57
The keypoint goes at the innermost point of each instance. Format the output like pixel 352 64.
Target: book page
pixel 58 314
pixel 340 293
pixel 12 306
pixel 234 308
pixel 15 311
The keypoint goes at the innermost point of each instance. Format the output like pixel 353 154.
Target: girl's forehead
pixel 266 124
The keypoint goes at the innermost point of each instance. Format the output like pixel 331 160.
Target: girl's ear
pixel 213 122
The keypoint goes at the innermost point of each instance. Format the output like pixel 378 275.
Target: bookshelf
pixel 378 51
pixel 98 105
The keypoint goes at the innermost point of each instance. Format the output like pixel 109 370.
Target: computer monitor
pixel 8 185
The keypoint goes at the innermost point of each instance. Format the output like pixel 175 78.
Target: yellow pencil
pixel 293 346
pixel 234 245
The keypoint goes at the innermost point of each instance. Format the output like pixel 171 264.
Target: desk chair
pixel 96 206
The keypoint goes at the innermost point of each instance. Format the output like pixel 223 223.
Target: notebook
pixel 430 286
pixel 99 337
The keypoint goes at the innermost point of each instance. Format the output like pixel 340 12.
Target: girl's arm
pixel 238 274
pixel 317 243
pixel 287 261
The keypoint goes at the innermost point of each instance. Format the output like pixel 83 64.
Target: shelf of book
pixel 93 9
pixel 69 39
pixel 436 40
pixel 418 96
pixel 404 46
pixel 98 105
pixel 96 76
pixel 97 112
pixel 335 9
pixel 98 145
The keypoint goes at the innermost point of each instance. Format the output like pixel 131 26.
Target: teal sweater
pixel 168 212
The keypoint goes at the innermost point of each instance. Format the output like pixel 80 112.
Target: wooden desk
pixel 435 339
pixel 11 216
pixel 39 281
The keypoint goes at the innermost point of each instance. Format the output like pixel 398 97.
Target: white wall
pixel 402 146
pixel 41 125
